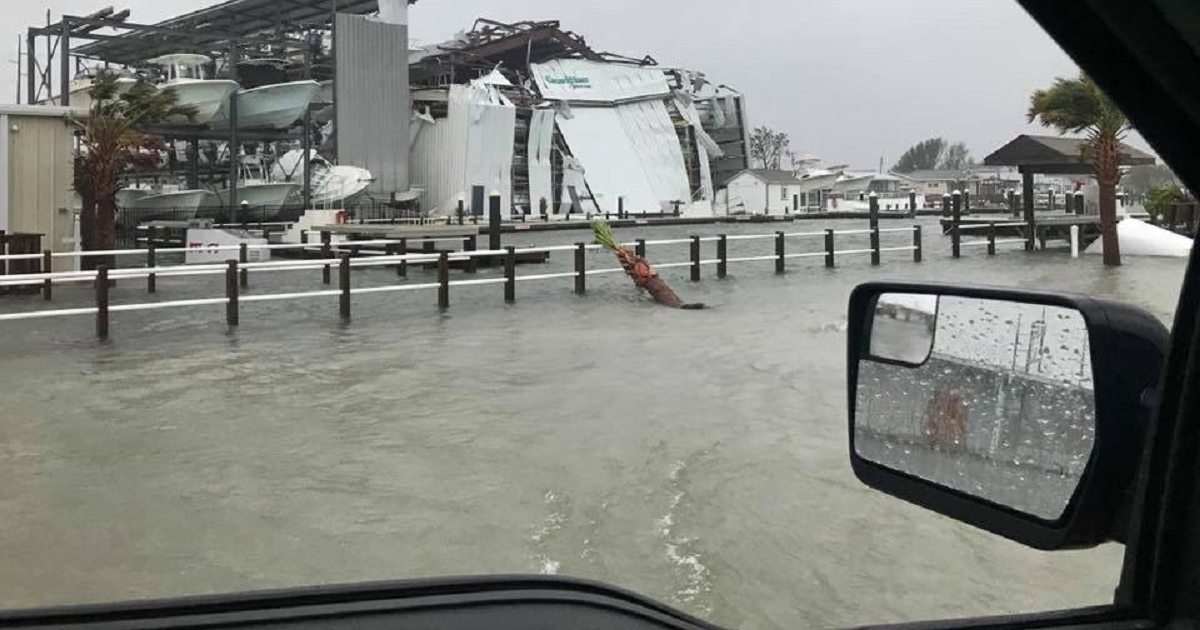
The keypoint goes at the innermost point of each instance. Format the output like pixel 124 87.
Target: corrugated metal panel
pixel 472 146
pixel 39 179
pixel 373 104
pixel 579 80
pixel 541 138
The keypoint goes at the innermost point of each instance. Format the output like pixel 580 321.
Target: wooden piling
pixel 102 301
pixel 875 258
pixel 917 243
pixel 912 204
pixel 151 262
pixel 344 286
pixel 402 268
pixel 326 252
pixel 695 258
pixel 829 248
pixel 639 247
pixel 620 207
pixel 873 211
pixel 722 256
pixel 471 244
pixel 956 221
pixel 461 212
pixel 443 272
pixel 243 258
pixel 494 222
pixel 231 293
pixel 779 252
pixel 580 269
pixel 304 237
pixel 991 236
pixel 47 268
pixel 510 274
pixel 946 205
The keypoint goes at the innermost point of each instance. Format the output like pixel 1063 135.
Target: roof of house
pixel 933 175
pixel 52 111
pixel 950 175
pixel 773 176
pixel 1055 151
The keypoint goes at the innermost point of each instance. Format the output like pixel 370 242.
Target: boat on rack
pixel 139 205
pixel 268 105
pixel 332 185
pixel 259 196
pixel 81 89
pixel 187 76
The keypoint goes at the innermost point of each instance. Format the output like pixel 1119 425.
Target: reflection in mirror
pixel 1003 408
pixel 902 328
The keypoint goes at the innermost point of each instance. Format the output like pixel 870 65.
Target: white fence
pixel 236 272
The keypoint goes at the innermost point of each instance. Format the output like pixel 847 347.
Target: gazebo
pixel 1052 155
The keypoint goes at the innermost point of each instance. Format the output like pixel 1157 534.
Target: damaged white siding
pixel 617 125
pixel 472 146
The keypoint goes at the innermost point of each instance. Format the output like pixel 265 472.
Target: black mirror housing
pixel 1127 351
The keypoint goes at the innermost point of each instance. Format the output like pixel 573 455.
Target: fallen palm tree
pixel 638 268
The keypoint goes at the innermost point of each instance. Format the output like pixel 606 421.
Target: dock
pixel 1045 228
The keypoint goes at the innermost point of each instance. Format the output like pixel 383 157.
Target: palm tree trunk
pixel 1108 224
pixel 1107 167
pixel 106 228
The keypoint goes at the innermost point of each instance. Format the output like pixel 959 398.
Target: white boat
pixel 81 90
pixel 186 76
pixel 853 183
pixel 276 106
pixel 166 204
pixel 331 184
pixel 259 197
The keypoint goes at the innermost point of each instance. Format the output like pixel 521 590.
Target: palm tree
pixel 111 140
pixel 1078 105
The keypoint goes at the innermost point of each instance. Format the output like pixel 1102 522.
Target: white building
pixel 764 192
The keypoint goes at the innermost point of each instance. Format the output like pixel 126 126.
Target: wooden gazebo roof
pixel 1056 155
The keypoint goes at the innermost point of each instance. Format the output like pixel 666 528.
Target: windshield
pixel 410 417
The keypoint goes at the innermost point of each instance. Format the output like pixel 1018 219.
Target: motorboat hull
pixel 270 106
pixel 206 97
pixel 261 201
pixel 172 206
pixel 81 91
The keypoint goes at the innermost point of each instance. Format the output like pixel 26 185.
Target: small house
pixel 764 192
pixel 36 195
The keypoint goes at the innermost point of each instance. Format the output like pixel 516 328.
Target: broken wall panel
pixel 582 81
pixel 541 139
pixel 471 146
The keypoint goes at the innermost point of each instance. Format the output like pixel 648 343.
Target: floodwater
pixel 698 457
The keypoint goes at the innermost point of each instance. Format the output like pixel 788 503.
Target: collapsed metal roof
pixel 215 28
pixel 511 46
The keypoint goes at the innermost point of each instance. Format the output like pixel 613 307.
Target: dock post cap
pixel 1078 193
pixel 956 192
pixel 945 195
pixel 873 195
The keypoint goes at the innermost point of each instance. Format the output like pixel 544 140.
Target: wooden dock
pixel 1045 228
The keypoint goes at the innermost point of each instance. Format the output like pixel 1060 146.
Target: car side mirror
pixel 1018 412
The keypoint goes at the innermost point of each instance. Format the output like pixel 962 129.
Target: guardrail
pixel 236 272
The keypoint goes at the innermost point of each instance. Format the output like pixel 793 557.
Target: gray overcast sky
pixel 851 81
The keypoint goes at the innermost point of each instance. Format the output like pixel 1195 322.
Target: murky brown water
pixel 697 457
